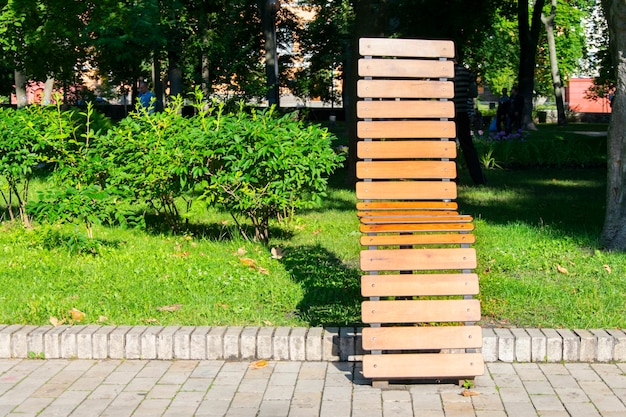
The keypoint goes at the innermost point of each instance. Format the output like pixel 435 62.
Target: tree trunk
pixel 548 22
pixel 175 74
pixel 157 83
pixel 614 232
pixel 47 91
pixel 20 89
pixel 529 39
pixel 268 9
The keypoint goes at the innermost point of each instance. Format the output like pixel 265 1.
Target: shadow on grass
pixel 568 200
pixel 332 289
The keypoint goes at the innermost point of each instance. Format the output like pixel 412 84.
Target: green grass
pixel 539 263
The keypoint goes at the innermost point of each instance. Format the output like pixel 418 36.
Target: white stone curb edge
pixel 286 343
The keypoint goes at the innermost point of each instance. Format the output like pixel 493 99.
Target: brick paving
pixel 123 387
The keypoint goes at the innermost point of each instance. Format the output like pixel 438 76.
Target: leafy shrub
pixel 268 166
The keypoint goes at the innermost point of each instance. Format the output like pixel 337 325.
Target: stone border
pixel 286 343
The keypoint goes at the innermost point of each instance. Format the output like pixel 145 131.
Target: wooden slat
pixel 405 109
pixel 406 205
pixel 406 149
pixel 402 68
pixel 404 129
pixel 406 47
pixel 418 284
pixel 410 228
pixel 409 190
pixel 406 169
pixel 419 239
pixel 404 89
pixel 431 365
pixel 417 219
pixel 420 311
pixel 405 213
pixel 421 338
pixel 418 259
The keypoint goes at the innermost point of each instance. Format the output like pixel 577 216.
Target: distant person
pixel 516 109
pixel 502 113
pixel 464 90
pixel 147 99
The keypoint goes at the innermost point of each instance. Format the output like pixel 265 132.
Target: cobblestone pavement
pixel 117 388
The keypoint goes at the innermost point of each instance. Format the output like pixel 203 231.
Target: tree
pixel 614 231
pixel 548 21
pixel 529 31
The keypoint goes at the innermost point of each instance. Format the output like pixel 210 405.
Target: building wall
pixel 575 94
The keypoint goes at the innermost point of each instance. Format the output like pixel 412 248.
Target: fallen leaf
pixel 268 323
pixel 77 314
pixel 258 364
pixel 468 393
pixel 277 253
pixel 241 251
pixel 172 307
pixel 263 270
pixel 561 269
pixel 607 268
pixel 221 305
pixel 102 319
pixel 151 321
pixel 181 255
pixel 248 262
pixel 55 322
pixel 317 232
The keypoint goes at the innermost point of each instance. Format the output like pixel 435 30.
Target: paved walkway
pixel 117 388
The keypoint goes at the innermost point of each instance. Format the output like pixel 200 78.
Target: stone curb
pixel 286 343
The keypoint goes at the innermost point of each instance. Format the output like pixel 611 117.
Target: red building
pixel 576 97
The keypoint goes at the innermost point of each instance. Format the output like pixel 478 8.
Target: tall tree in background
pixel 529 26
pixel 548 21
pixel 614 230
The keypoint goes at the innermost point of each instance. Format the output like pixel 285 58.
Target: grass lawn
pixel 537 242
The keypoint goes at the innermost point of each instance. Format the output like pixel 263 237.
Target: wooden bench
pixel 418 280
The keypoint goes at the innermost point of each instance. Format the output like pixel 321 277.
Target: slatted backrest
pixel 405 120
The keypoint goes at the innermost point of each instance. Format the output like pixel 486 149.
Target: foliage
pixel 26 137
pixel 549 146
pixel 269 166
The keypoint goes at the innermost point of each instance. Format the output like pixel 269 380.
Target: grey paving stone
pixel 281 343
pixel 165 342
pixel 330 342
pixel 588 345
pixel 605 345
pixel 347 346
pixel 35 340
pixel 69 342
pixel 231 342
pixel 100 342
pixel 19 342
pixel 554 345
pixel 538 345
pixel 264 343
pixel 297 344
pixel 182 342
pixel 314 349
pixel 619 344
pixel 133 342
pixel 506 345
pixel 198 342
pixel 248 342
pixel 490 345
pixel 52 342
pixel 523 346
pixel 215 343
pixel 150 342
pixel 571 345
pixel 117 342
